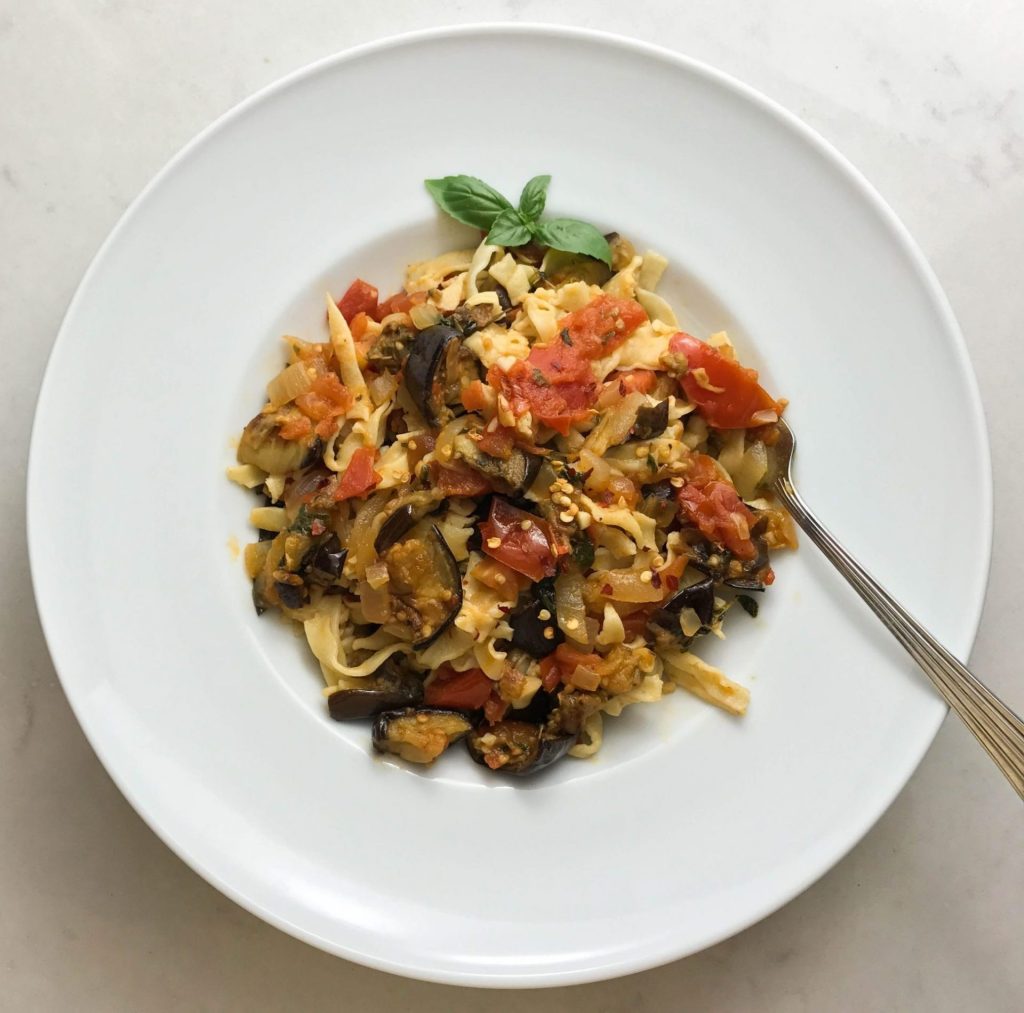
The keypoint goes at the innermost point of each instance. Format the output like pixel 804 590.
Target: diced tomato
pixel 327 397
pixel 361 297
pixel 495 708
pixel 474 397
pixel 601 326
pixel 325 400
pixel 497 442
pixel 358 325
pixel 458 480
pixel 467 690
pixel 629 380
pixel 400 302
pixel 568 658
pixel 736 395
pixel 550 673
pixel 528 548
pixel 557 667
pixel 359 477
pixel 554 383
pixel 297 428
pixel 717 511
pixel 560 364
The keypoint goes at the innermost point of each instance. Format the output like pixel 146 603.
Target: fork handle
pixel 992 723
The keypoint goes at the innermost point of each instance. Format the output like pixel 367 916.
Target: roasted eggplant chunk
pixel 512 475
pixel 418 735
pixel 426 369
pixel 537 636
pixel 261 445
pixel 390 688
pixel 517 747
pixel 424 584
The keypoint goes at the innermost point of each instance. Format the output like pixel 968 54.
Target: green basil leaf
pixel 534 197
pixel 508 230
pixel 573 236
pixel 468 200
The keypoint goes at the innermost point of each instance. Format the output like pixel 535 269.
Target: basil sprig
pixel 473 202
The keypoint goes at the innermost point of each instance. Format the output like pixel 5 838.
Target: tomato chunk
pixel 554 382
pixel 458 480
pixel 730 395
pixel 474 397
pixel 361 297
pixel 359 477
pixel 400 302
pixel 520 540
pixel 497 442
pixel 601 326
pixel 326 399
pixel 715 508
pixel 629 380
pixel 467 690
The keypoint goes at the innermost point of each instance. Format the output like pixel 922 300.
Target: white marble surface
pixel 95 913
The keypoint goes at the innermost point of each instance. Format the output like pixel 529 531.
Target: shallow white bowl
pixel 689 825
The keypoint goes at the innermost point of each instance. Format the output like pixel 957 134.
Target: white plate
pixel 689 825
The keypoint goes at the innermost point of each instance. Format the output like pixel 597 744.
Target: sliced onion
pixel 571 612
pixel 425 315
pixel 292 381
pixel 585 678
pixel 600 471
pixel 374 602
pixel 625 585
pixel 364 532
pixel 377 575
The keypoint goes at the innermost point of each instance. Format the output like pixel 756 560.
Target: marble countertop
pixel 925 98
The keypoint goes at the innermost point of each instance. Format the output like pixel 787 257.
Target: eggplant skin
pixel 323 563
pixel 389 688
pixel 651 421
pixel 700 597
pixel 395 528
pixel 528 631
pixel 426 358
pixel 418 735
pixel 517 747
pixel 513 475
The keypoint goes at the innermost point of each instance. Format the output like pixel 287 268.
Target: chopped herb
pixel 575 477
pixel 652 463
pixel 748 604
pixel 545 591
pixel 540 379
pixel 305 519
pixel 583 551
pixel 564 335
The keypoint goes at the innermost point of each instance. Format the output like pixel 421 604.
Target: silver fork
pixel 993 724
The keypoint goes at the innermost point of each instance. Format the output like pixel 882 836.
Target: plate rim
pixel 837 161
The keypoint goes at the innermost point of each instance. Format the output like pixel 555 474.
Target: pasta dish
pixel 506 502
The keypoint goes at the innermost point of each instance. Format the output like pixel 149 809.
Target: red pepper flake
pixel 606 590
pixel 656 580
pixel 673 582
pixel 317 528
